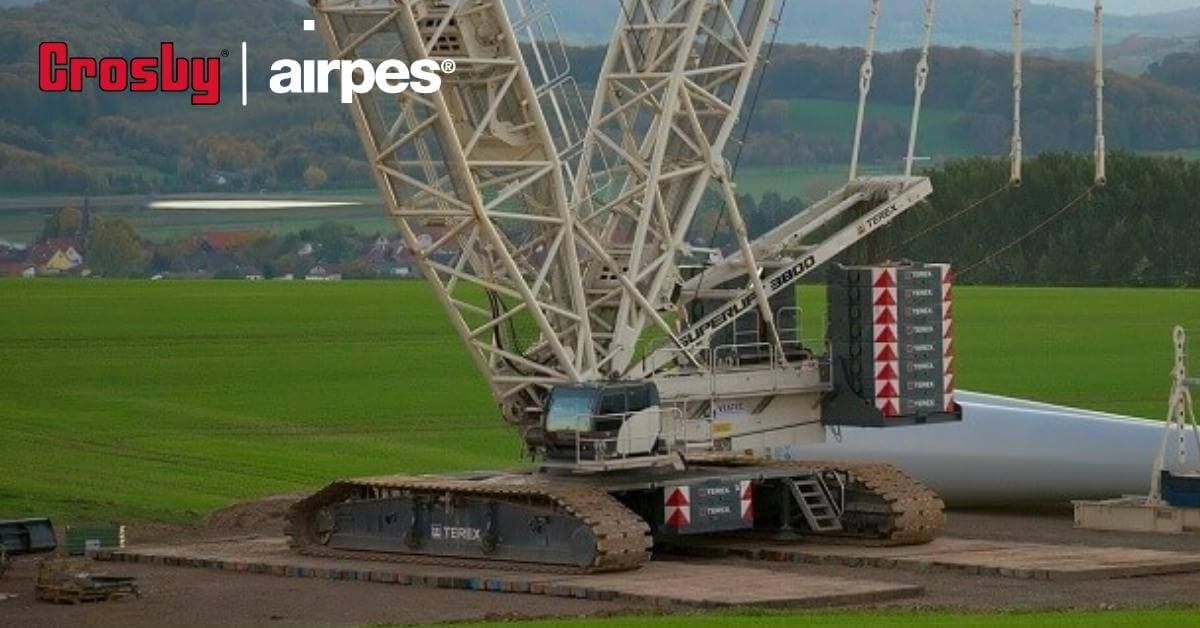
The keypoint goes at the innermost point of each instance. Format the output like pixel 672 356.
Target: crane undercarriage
pixel 610 522
pixel 666 384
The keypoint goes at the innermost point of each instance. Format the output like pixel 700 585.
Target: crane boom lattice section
pixel 474 176
pixel 669 96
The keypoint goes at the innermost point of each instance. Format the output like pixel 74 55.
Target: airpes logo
pixel 58 71
pixel 358 76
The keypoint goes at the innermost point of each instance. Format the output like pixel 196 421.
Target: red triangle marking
pixel 889 409
pixel 949 331
pixel 886 336
pixel 886 318
pixel 889 392
pixel 886 279
pixel 677 498
pixel 949 351
pixel 949 369
pixel 948 313
pixel 948 275
pixel 886 298
pixel 949 383
pixel 887 354
pixel 678 519
pixel 887 373
pixel 748 491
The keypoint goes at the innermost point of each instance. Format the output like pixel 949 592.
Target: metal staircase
pixel 816 502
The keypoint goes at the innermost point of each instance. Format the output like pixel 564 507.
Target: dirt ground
pixel 174 596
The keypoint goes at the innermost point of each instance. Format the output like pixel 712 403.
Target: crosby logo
pixel 60 72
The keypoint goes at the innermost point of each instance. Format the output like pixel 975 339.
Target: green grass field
pixel 158 226
pixel 842 619
pixel 937 130
pixel 808 183
pixel 162 401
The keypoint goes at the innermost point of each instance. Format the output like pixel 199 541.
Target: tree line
pixel 1141 229
pixel 155 143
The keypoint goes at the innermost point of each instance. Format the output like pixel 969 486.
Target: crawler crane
pixel 659 386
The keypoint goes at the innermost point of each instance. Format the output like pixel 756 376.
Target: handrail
pixel 599 444
pixel 715 362
pixel 798 329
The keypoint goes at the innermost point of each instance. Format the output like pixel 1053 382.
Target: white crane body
pixel 653 390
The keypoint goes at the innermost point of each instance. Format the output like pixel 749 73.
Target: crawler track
pixel 622 540
pixel 891 509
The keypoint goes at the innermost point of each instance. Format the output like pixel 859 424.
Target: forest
pixel 1057 228
pixel 154 143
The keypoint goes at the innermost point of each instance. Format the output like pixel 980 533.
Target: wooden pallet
pixel 72 594
pixel 70 582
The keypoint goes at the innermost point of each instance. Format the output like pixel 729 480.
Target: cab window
pixel 570 409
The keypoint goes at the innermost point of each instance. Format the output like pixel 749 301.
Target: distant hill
pixel 1132 55
pixel 979 23
pixel 142 142
pixel 1181 69
pixel 971 91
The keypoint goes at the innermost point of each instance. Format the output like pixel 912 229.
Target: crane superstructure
pixel 658 384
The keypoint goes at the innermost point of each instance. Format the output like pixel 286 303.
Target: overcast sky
pixel 1128 6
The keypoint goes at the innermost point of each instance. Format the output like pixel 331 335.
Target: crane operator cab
pixel 600 421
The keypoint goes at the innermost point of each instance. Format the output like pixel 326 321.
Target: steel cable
pixel 955 216
pixel 1032 232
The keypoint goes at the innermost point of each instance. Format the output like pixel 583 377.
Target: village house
pixel 56 256
pixel 12 259
pixel 322 273
pixel 12 251
pixel 228 179
pixel 218 248
pixel 215 241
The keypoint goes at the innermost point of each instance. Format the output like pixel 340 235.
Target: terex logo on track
pixel 60 72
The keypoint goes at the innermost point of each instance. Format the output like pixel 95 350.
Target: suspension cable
pixel 1101 151
pixel 1032 232
pixel 762 75
pixel 949 219
pixel 741 143
pixel 1017 155
pixel 865 74
pixel 745 129
pixel 920 82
